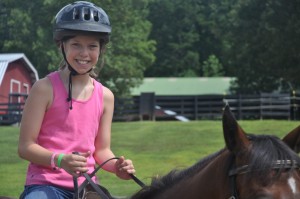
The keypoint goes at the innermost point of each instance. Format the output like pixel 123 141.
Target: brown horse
pixel 249 167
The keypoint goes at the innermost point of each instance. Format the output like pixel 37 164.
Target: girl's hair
pixel 103 41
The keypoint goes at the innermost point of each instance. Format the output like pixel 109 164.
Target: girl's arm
pixel 36 105
pixel 103 140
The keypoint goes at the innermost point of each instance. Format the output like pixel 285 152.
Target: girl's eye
pixel 93 46
pixel 75 44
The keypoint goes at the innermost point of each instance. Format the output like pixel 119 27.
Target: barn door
pixel 15 89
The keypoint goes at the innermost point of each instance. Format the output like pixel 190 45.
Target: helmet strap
pixel 72 73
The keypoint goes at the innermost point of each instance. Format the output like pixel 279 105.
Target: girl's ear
pixel 58 44
pixel 61 45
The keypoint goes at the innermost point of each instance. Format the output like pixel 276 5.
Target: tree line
pixel 255 41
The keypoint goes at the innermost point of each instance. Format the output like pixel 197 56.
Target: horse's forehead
pixel 287 186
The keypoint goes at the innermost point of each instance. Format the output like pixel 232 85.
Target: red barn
pixel 17 76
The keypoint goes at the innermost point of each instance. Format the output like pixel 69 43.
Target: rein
pixel 89 180
pixel 233 172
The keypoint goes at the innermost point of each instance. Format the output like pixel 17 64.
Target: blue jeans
pixel 46 192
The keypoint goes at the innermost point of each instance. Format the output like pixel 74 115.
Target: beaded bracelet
pixel 60 156
pixel 52 161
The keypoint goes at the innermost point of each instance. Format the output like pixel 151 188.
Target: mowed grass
pixel 155 148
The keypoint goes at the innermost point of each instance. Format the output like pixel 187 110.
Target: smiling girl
pixel 69 110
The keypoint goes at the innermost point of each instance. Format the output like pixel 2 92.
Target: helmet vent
pixel 75 14
pixel 96 17
pixel 86 14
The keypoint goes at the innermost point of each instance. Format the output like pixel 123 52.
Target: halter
pixel 234 171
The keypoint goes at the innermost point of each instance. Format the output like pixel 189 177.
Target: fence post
pixel 147 106
pixel 196 107
pixel 294 105
pixel 240 116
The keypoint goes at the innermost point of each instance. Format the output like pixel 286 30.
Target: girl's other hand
pixel 124 168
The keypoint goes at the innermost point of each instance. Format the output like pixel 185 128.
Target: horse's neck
pixel 210 182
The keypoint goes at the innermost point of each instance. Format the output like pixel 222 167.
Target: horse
pixel 248 167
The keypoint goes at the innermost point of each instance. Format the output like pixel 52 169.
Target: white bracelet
pixel 52 161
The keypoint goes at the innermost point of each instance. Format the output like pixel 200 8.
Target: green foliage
pixel 130 50
pixel 256 42
pixel 262 44
pixel 29 30
pixel 155 148
pixel 212 67
pixel 175 31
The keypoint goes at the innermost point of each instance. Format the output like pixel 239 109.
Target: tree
pixel 130 51
pixel 29 30
pixel 262 44
pixel 255 41
pixel 212 67
pixel 174 30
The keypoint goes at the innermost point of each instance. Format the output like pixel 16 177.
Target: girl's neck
pixel 77 79
pixel 82 85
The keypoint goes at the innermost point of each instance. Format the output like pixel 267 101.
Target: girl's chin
pixel 83 71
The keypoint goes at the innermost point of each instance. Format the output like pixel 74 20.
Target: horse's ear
pixel 293 139
pixel 235 138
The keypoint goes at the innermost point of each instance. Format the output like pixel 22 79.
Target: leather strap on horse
pixel 232 179
pixel 234 171
pixel 88 180
pixel 95 187
pixel 137 180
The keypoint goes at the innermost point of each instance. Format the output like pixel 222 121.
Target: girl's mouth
pixel 82 61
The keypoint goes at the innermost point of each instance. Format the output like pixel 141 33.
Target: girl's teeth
pixel 83 62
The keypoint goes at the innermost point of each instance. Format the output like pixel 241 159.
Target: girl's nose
pixel 84 51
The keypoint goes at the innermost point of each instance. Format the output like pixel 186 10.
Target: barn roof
pixel 185 86
pixel 5 59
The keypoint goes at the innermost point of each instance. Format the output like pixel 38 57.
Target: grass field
pixel 155 148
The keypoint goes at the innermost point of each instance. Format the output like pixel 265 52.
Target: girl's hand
pixel 124 168
pixel 75 164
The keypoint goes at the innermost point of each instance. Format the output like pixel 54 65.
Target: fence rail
pixel 10 113
pixel 262 106
pixel 149 106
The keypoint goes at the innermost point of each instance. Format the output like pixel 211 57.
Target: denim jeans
pixel 46 192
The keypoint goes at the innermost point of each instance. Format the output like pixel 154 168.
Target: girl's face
pixel 82 52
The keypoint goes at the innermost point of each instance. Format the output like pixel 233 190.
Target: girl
pixel 69 111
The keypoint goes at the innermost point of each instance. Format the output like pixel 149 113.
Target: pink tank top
pixel 64 131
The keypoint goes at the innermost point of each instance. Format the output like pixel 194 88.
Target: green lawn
pixel 155 148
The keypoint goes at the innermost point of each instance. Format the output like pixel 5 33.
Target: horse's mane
pixel 264 152
pixel 162 183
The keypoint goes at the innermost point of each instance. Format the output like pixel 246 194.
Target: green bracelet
pixel 59 159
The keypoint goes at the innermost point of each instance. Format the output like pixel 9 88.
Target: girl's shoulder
pixel 40 94
pixel 42 89
pixel 107 93
pixel 42 85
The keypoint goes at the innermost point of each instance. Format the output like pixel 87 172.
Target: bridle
pixel 235 171
pixel 88 180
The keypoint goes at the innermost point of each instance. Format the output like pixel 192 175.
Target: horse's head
pixel 249 167
pixel 262 167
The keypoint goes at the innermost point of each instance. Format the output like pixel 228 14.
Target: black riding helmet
pixel 80 17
